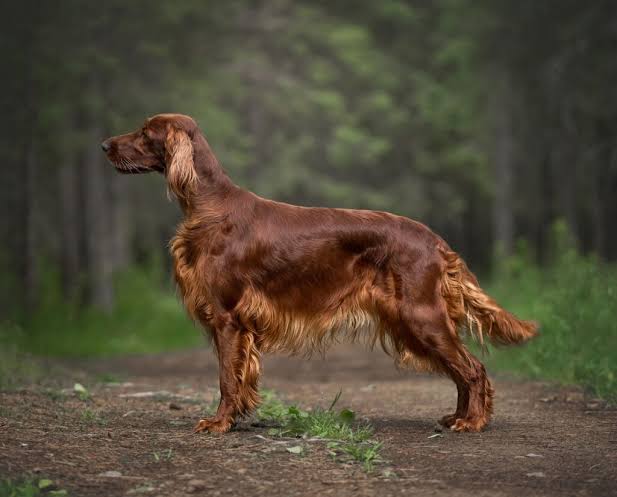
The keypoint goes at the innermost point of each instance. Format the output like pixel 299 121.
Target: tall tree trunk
pixel 122 221
pixel 99 234
pixel 611 205
pixel 596 199
pixel 72 262
pixel 503 215
pixel 19 233
pixel 30 253
pixel 18 248
pixel 569 187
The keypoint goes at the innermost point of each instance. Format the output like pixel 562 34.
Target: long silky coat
pixel 264 276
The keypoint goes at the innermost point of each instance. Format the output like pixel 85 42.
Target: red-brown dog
pixel 266 276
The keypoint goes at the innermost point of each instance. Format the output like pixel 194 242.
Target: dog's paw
pixel 213 425
pixel 448 420
pixel 469 424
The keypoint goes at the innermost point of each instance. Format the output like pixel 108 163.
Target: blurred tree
pixel 487 120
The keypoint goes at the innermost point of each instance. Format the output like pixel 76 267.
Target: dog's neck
pixel 211 175
pixel 214 183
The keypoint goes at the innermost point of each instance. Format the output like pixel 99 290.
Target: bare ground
pixel 135 438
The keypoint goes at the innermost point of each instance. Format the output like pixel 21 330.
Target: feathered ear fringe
pixel 181 175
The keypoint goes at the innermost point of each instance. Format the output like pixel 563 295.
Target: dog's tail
pixel 473 310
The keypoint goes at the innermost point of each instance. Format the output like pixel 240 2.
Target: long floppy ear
pixel 181 175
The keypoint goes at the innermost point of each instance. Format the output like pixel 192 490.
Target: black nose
pixel 105 146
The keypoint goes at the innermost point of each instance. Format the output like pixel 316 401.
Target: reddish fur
pixel 266 276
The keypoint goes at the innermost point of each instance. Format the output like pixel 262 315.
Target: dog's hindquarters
pixel 428 326
pixel 467 307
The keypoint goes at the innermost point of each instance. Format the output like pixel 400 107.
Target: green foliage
pixel 365 453
pixel 30 488
pixel 109 378
pixel 90 417
pixel 163 456
pixel 321 423
pixel 10 488
pixel 339 428
pixel 147 318
pixel 55 395
pixel 81 392
pixel 574 300
pixel 16 367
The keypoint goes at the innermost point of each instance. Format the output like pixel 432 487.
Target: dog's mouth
pixel 128 166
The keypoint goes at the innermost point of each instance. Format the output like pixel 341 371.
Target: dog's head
pixel 164 144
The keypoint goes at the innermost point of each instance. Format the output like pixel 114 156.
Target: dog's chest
pixel 189 278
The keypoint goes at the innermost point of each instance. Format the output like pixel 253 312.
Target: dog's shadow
pixel 427 426
pixel 387 424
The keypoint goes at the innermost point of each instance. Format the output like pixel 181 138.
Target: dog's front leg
pixel 239 368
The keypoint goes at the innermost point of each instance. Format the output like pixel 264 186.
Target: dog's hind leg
pixel 475 393
pixel 429 334
pixel 239 370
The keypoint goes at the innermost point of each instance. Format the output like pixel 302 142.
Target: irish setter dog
pixel 265 276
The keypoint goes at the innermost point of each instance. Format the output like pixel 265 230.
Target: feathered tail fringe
pixel 474 311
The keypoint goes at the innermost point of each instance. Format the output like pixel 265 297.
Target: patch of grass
pixel 163 456
pixel 574 299
pixel 55 395
pixel 90 417
pixel 365 453
pixel 147 318
pixel 109 378
pixel 30 488
pixel 81 392
pixel 339 428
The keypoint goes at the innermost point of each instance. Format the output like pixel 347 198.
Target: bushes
pixel 575 301
pixel 147 318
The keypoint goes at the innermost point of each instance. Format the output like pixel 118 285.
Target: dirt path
pixel 125 441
